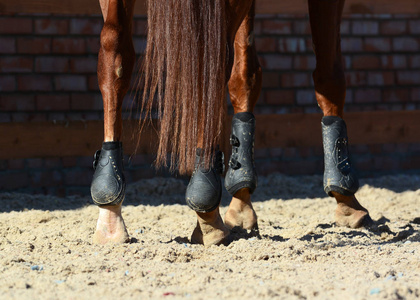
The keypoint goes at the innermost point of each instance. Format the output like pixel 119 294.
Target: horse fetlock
pixel 241 173
pixel 204 190
pixel 108 184
pixel 339 175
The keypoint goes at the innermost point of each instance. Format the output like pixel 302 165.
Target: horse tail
pixel 184 78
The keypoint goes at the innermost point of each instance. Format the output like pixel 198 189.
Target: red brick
pixel 7 83
pixel 83 65
pixel 280 97
pixel 69 161
pixel 257 27
pixel 367 96
pixel 356 78
pixel 86 102
pixel 270 79
pixel 377 44
pixel 45 178
pixel 93 45
pixel 7 45
pixel 13 180
pixel 57 117
pixel 140 45
pixel 70 83
pixel 350 44
pixel 69 45
pixel 393 27
pixel 294 80
pixel 394 61
pixel 304 62
pixel 265 44
pixel 53 162
pixel 364 163
pixel 276 27
pixel 349 96
pixel 381 78
pixel 16 164
pixel 78 177
pixel 86 26
pixel 276 62
pixel 35 83
pixel 345 27
pixel 51 26
pixel 414 26
pixel 24 117
pixel 16 102
pixel 140 27
pixel 408 77
pixel 53 102
pixel 5 118
pixel 12 26
pixel 301 27
pixel 361 27
pixel 305 97
pixel 292 45
pixel 34 45
pixel 93 83
pixel 51 64
pixel 16 64
pixel 366 62
pixel 406 44
pixel 414 61
pixel 396 95
pixel 384 163
pixel 34 163
pixel 415 94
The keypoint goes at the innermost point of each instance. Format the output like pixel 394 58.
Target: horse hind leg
pixel 115 63
pixel 244 90
pixel 340 180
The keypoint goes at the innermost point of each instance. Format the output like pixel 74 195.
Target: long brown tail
pixel 184 72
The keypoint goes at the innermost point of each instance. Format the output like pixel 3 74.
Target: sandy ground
pixel 46 250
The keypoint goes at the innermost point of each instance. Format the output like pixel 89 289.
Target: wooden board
pixel 77 138
pixel 263 6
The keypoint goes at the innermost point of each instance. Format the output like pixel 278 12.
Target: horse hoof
pixel 108 184
pixel 204 190
pixel 241 173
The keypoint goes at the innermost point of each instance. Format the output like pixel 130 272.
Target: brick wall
pixel 48 72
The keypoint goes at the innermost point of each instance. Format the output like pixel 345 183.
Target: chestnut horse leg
pixel 115 64
pixel 210 229
pixel 244 90
pixel 330 89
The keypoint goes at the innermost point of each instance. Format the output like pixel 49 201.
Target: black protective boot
pixel 241 173
pixel 108 184
pixel 339 175
pixel 204 190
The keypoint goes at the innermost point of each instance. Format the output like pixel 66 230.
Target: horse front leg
pixel 244 90
pixel 340 180
pixel 115 64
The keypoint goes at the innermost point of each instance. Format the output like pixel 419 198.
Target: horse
pixel 196 50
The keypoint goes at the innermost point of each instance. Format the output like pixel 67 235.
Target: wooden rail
pixel 77 138
pixel 263 6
